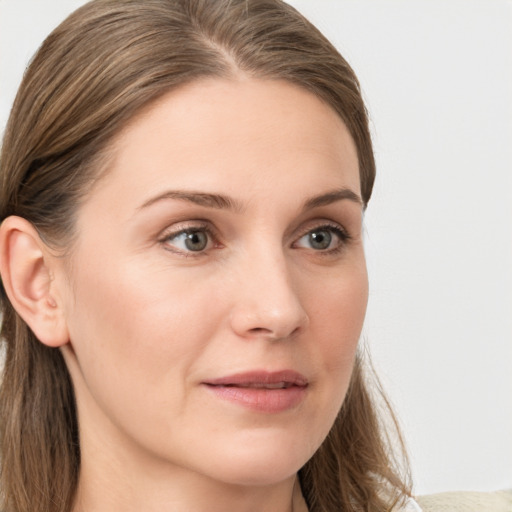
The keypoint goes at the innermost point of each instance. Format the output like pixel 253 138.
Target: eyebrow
pixel 222 202
pixel 217 201
pixel 332 197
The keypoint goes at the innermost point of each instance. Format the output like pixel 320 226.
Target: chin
pixel 254 475
pixel 260 462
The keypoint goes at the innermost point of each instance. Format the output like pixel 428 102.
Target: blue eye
pixel 323 238
pixel 190 240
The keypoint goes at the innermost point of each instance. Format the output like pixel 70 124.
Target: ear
pixel 26 268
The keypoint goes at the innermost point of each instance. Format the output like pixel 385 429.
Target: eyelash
pixel 200 227
pixel 342 235
pixel 203 227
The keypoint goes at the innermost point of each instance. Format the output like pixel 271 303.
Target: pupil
pixel 196 241
pixel 320 239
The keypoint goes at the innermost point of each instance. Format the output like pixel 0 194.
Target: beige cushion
pixel 500 501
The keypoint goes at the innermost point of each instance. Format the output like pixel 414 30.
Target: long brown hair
pixel 91 75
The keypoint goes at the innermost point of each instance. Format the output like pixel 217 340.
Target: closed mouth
pixel 257 385
pixel 262 391
pixel 257 379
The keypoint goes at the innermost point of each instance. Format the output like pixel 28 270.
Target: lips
pixel 261 391
pixel 261 385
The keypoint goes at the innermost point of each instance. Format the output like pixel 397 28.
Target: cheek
pixel 137 342
pixel 134 334
pixel 337 314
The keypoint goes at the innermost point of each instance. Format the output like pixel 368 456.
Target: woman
pixel 184 281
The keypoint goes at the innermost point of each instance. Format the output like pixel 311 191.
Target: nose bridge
pixel 267 302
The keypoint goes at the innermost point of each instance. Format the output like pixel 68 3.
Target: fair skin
pixel 224 238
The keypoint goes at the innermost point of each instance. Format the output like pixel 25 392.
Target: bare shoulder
pixel 465 501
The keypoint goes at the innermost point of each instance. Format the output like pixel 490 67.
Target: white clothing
pixel 410 506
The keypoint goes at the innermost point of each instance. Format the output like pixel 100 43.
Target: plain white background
pixel 437 77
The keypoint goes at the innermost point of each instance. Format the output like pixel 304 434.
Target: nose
pixel 266 302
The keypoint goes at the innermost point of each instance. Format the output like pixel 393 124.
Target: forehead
pixel 219 133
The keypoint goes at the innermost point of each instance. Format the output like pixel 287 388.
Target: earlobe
pixel 27 276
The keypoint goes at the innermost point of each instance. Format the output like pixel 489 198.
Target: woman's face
pixel 218 287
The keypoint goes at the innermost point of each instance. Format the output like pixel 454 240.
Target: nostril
pixel 259 330
pixel 274 316
pixel 270 334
